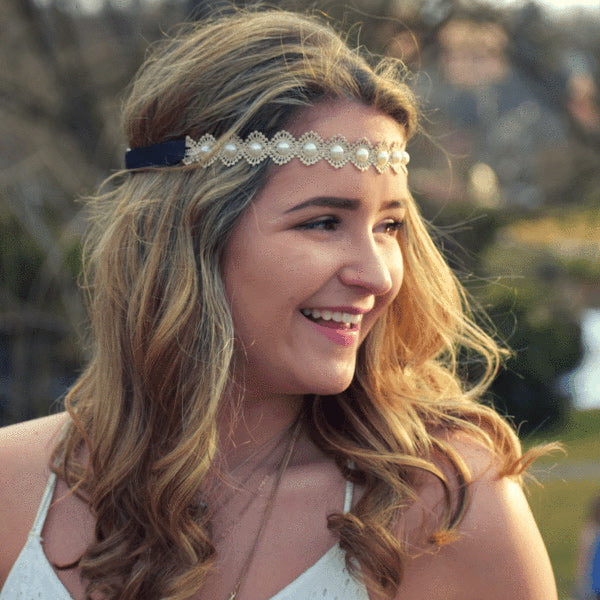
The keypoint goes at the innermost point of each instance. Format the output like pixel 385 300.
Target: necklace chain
pixel 228 477
pixel 268 509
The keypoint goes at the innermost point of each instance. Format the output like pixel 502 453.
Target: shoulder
pixel 25 450
pixel 499 552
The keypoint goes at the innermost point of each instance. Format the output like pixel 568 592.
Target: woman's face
pixel 315 260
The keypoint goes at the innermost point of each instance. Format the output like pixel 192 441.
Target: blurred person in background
pixel 274 406
pixel 596 570
pixel 588 555
pixel 587 586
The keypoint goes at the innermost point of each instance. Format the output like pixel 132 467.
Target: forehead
pixel 349 118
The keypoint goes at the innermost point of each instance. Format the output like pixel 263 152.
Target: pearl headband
pixel 281 148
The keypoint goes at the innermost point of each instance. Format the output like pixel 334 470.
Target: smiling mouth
pixel 333 320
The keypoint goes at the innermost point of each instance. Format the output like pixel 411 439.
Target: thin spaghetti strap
pixel 348 499
pixel 42 512
pixel 349 490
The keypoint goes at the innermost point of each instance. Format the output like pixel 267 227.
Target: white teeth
pixel 327 315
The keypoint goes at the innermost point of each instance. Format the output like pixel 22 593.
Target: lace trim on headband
pixel 281 148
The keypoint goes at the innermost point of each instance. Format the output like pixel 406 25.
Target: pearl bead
pixel 310 149
pixel 396 157
pixel 230 149
pixel 362 155
pixel 382 157
pixel 255 148
pixel 337 152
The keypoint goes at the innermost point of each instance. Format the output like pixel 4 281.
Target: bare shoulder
pixel 26 447
pixel 499 553
pixel 25 450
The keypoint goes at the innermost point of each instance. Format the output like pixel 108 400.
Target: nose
pixel 367 266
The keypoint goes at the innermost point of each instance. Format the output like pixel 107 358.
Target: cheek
pixel 395 266
pixel 263 280
pixel 396 269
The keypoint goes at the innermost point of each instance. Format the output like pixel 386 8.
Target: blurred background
pixel 508 174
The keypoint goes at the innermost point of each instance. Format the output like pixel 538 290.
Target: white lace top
pixel 33 578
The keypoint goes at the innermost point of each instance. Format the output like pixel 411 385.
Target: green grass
pixel 560 504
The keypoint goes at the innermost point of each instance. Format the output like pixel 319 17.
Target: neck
pixel 250 422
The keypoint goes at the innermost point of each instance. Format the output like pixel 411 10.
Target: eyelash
pixel 329 224
pixel 322 224
pixel 395 225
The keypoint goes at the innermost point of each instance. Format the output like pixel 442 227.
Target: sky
pixel 584 382
pixel 558 5
pixel 553 4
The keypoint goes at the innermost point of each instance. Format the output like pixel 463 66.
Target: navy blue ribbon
pixel 157 155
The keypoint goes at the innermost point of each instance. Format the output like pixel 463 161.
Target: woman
pixel 273 407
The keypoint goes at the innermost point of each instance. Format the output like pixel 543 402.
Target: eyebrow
pixel 340 203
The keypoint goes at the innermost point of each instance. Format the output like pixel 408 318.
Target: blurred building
pixel 506 123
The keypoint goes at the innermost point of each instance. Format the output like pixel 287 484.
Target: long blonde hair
pixel 142 434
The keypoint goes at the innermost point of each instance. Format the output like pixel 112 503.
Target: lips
pixel 338 325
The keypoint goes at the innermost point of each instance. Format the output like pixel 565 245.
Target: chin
pixel 333 381
pixel 328 387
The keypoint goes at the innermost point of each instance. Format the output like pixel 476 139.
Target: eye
pixel 328 223
pixel 392 226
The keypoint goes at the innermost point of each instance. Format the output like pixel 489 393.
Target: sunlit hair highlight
pixel 143 414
